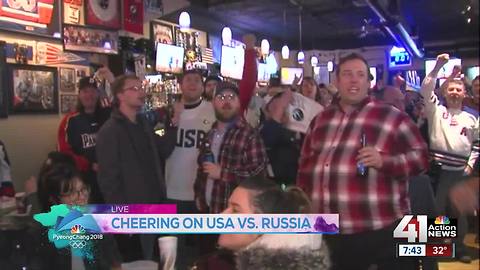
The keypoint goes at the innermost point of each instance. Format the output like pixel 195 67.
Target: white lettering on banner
pixel 89 140
pixel 218 223
pixel 27 5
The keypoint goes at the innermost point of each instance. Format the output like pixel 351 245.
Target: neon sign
pixel 398 57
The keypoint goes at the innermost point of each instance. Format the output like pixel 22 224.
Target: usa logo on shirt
pixel 453 122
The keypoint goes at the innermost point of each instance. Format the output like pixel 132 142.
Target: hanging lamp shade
pixel 227 36
pixel 285 52
pixel 314 61
pixel 301 57
pixel 265 47
pixel 330 66
pixel 184 20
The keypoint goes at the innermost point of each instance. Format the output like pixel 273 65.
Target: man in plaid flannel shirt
pixel 370 205
pixel 238 151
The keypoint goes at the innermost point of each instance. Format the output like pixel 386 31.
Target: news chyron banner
pixel 426 237
pixel 80 227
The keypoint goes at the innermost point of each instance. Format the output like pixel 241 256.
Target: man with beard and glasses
pixel 453 144
pixel 237 149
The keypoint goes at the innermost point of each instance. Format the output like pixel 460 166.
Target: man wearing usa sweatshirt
pixel 453 144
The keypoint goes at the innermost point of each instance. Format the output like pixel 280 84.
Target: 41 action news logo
pixel 419 228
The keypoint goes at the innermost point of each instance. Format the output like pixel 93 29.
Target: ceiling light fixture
pixel 285 52
pixel 227 36
pixel 265 47
pixel 330 66
pixel 301 54
pixel 301 57
pixel 184 20
pixel 285 49
pixel 314 61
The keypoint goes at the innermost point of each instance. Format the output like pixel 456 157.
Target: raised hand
pixel 442 59
pixel 296 80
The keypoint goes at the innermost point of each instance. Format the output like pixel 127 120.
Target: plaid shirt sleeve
pixel 413 159
pixel 253 161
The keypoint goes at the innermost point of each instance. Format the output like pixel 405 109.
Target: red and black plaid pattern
pixel 328 166
pixel 242 155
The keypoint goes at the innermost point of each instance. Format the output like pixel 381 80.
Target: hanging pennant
pixel 73 12
pixel 133 16
pixel 49 54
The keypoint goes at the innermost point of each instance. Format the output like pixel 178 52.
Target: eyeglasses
pixel 85 191
pixel 224 97
pixel 134 88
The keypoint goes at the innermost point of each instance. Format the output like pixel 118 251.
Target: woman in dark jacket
pixel 60 183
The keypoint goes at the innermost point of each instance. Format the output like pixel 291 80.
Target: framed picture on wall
pixel 103 13
pixel 83 39
pixel 161 33
pixel 3 99
pixel 68 103
pixel 190 37
pixel 67 80
pixel 33 89
pixel 3 88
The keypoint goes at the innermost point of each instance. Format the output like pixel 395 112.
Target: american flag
pixel 207 56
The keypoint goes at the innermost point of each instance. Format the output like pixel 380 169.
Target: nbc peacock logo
pixel 442 220
pixel 442 227
pixel 77 229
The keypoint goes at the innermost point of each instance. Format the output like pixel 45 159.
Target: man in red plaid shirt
pixel 238 152
pixel 369 205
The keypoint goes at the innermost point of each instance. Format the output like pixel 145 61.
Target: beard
pixel 226 117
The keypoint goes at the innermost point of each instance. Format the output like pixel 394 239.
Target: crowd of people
pixel 371 156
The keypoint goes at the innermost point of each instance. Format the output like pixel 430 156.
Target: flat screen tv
pixel 263 74
pixel 169 58
pixel 232 62
pixel 373 71
pixel 287 75
pixel 398 57
pixel 472 72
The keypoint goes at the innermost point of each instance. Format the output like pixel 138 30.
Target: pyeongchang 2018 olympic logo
pixel 69 227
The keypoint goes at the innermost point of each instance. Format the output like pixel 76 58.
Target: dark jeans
pixel 422 202
pixel 361 250
pixel 187 245
pixel 445 182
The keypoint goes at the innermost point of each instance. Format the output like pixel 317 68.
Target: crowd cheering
pixel 366 155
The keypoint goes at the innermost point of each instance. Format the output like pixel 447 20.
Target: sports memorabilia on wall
pixel 133 16
pixel 77 38
pixel 103 13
